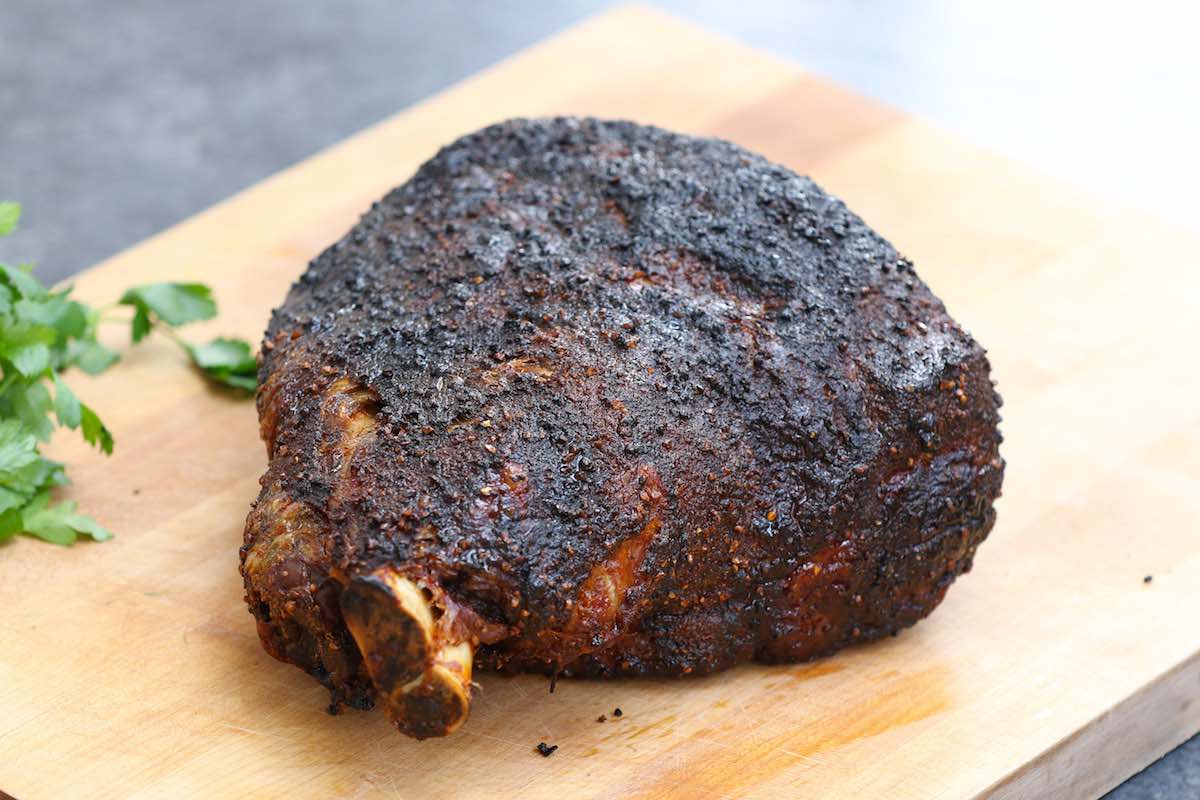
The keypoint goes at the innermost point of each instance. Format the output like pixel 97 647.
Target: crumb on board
pixel 1148 579
pixel 546 749
pixel 617 712
pixel 601 718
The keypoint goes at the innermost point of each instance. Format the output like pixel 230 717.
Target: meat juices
pixel 594 398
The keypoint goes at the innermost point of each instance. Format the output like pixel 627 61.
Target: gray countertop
pixel 120 118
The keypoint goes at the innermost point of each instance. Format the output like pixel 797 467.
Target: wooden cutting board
pixel 132 669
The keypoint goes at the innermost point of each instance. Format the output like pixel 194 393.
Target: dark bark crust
pixel 639 403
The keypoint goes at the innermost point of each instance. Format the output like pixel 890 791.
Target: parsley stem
pixel 174 337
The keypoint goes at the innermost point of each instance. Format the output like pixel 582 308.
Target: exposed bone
pixel 423 678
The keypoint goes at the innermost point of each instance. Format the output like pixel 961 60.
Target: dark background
pixel 121 117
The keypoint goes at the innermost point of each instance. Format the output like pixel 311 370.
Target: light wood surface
pixel 132 669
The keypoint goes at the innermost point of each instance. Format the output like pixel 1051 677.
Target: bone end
pixel 423 680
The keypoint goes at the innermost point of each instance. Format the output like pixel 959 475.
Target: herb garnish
pixel 44 333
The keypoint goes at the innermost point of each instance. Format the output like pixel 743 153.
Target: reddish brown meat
pixel 592 398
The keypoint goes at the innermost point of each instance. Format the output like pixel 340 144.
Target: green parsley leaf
pixel 229 362
pixel 31 403
pixel 26 348
pixel 243 383
pixel 10 212
pixel 59 524
pixel 173 303
pixel 66 317
pixel 18 447
pixel 223 353
pixel 87 526
pixel 140 328
pixel 67 407
pixel 32 360
pixel 94 431
pixel 22 281
pixel 10 499
pixel 90 356
pixel 18 487
pixel 10 521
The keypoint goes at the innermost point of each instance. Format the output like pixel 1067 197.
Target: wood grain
pixel 132 669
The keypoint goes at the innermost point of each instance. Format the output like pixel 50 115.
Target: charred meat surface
pixel 594 398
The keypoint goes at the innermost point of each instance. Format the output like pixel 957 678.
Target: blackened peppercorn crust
pixel 620 402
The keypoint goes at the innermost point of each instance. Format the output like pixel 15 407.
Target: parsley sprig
pixel 43 334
